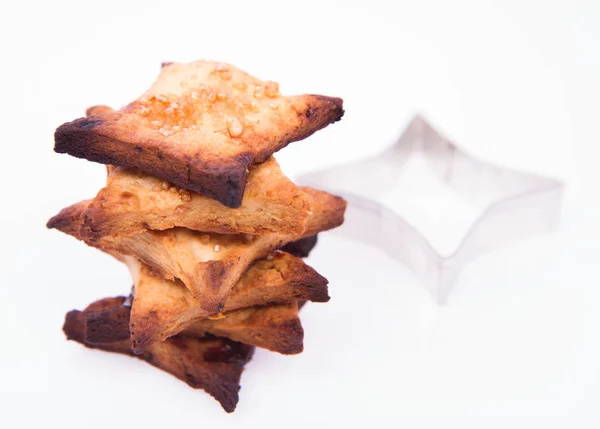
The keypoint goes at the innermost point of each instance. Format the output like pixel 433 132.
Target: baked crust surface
pixel 273 327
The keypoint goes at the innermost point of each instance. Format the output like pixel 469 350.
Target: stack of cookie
pixel 211 229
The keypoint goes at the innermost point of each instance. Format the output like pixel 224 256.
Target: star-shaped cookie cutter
pixel 514 204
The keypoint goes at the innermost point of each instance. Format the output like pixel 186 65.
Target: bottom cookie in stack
pixel 213 364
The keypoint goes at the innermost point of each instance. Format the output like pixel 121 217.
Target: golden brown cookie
pixel 163 308
pixel 133 201
pixel 200 126
pixel 274 327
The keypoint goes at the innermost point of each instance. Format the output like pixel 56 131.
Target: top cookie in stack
pixel 201 126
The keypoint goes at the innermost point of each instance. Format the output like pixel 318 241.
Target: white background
pixel 514 82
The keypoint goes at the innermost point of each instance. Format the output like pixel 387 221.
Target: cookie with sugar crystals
pixel 200 126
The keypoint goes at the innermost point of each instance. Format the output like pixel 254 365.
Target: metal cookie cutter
pixel 394 204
